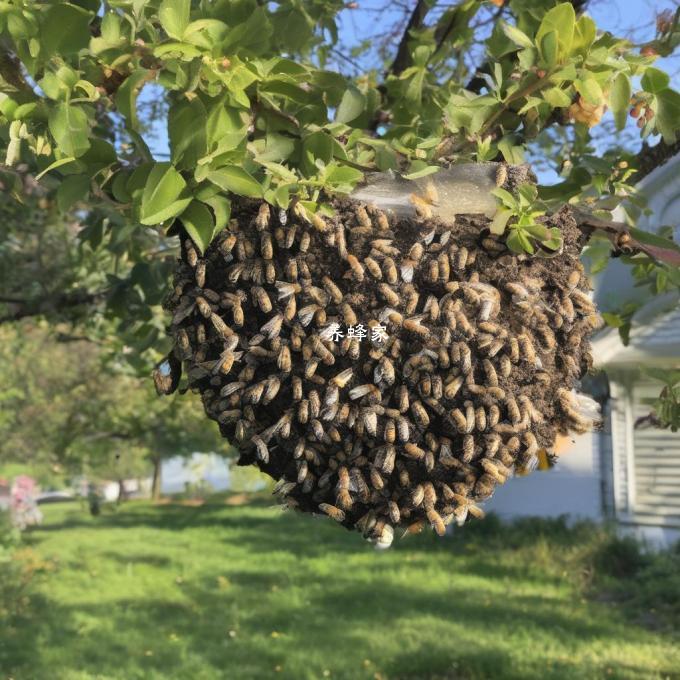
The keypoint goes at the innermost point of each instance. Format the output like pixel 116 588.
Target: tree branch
pixel 651 157
pixel 403 59
pixel 60 302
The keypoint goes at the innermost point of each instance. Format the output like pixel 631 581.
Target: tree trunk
pixel 122 494
pixel 156 483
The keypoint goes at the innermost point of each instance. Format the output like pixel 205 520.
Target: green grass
pixel 165 592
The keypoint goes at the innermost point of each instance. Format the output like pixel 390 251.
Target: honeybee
pixel 490 371
pixel 291 269
pixel 376 479
pixel 192 255
pixel 411 296
pixel 200 273
pixel 480 419
pixel 413 451
pixel 204 307
pixel 356 268
pixel 436 521
pixel 547 337
pixel 443 267
pixel 373 267
pixel 272 328
pixel 573 279
pixel 462 258
pixel 452 387
pixel 384 460
pixel 390 270
pixel 527 348
pixel 501 174
pixel 432 271
pixel 468 448
pixel 569 405
pixel 484 487
pixel 362 216
pixel 461 355
pixel 402 398
pixel 390 295
pixel 261 298
pixel 583 302
pixel 383 534
pixel 385 372
pixel 272 387
pixel 367 390
pixel 261 450
pixel 493 246
pixel 420 414
pixel 220 326
pixel 183 344
pixel 332 511
pixel 530 411
pixel 429 495
pixel 431 308
pixel 417 495
pixel 414 325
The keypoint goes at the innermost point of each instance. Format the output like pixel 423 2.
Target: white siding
pixel 656 465
pixel 571 488
pixel 618 404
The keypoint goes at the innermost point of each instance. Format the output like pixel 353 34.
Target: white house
pixel 629 471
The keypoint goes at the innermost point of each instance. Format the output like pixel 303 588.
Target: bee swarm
pixel 476 373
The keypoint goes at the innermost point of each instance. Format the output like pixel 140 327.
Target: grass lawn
pixel 237 592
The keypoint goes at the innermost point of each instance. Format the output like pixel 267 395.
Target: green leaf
pixel 518 37
pixel 177 50
pixel 110 28
pixel 343 177
pixel 557 98
pixel 562 20
pixel 70 128
pixel 174 16
pixel 668 114
pixel 126 97
pixel 65 30
pixel 161 198
pixel 317 146
pixel 237 180
pixel 199 223
pixel 187 122
pixel 507 199
pixel 118 187
pixel 654 80
pixel 222 210
pixel 351 106
pixel 549 48
pixel 55 164
pixel 584 35
pixel 72 189
pixel 422 172
pixel 619 99
pixel 512 153
pixel 613 320
pixel 590 90
pixel 500 221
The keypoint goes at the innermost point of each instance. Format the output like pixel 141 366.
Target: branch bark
pixel 651 157
pixel 403 58
pixel 50 305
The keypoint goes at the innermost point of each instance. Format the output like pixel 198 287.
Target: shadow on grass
pixel 135 639
pixel 333 613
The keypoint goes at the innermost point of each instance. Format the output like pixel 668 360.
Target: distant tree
pixel 64 410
